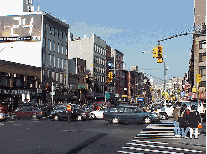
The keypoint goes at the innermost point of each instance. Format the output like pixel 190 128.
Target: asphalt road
pixel 47 136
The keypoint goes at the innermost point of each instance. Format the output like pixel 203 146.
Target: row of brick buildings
pixel 40 56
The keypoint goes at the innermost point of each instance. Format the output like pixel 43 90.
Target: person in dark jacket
pixel 194 120
pixel 183 121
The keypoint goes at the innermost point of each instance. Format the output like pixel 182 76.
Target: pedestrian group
pixel 185 120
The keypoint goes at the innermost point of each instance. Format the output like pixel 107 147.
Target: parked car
pixel 129 114
pixel 29 112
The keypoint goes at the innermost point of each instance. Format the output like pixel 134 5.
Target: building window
pixel 57 33
pixel 61 78
pixel 44 42
pixel 54 61
pixel 50 30
pixel 43 58
pixel 58 62
pixel 48 60
pixel 58 47
pixel 202 57
pixel 57 77
pixel 48 44
pixel 202 44
pixel 64 64
pixel 202 70
pixel 53 75
pixel 53 46
pixel 62 49
pixel 44 27
pixel 61 34
pixel 53 31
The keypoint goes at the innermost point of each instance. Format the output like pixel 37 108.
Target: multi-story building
pixel 197 63
pixel 93 50
pixel 118 73
pixel 77 67
pixel 37 39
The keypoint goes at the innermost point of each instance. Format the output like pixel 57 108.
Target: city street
pixel 47 136
pixel 91 137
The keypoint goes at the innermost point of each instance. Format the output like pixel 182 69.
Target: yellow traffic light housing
pixel 155 52
pixel 198 78
pixel 160 60
pixel 110 77
pixel 159 52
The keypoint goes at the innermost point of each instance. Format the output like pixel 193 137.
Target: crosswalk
pixel 163 130
pixel 143 142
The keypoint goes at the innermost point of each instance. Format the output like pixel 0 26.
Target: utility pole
pixel 164 83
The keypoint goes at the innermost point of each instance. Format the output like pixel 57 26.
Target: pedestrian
pixel 49 109
pixel 69 110
pixel 183 121
pixel 194 120
pixel 176 114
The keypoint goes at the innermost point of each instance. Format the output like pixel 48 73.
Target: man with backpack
pixel 194 120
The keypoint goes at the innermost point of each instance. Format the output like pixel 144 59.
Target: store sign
pixel 16 92
pixel 20 27
pixel 26 38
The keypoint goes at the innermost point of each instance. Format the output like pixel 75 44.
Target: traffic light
pixel 110 77
pixel 198 78
pixel 155 52
pixel 160 60
pixel 159 51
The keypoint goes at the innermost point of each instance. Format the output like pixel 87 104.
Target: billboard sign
pixel 20 28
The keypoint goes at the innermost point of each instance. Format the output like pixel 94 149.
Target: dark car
pixel 29 112
pixel 129 114
pixel 62 114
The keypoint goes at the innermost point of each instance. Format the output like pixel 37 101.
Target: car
pixel 98 114
pixel 2 116
pixel 62 114
pixel 129 114
pixel 29 112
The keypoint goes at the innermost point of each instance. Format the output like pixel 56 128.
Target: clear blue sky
pixel 132 26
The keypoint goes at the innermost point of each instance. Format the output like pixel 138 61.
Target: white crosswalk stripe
pixel 164 130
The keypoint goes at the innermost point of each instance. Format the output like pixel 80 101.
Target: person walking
pixel 176 114
pixel 194 119
pixel 183 121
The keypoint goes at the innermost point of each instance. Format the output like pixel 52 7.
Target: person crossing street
pixel 176 114
pixel 183 121
pixel 194 120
